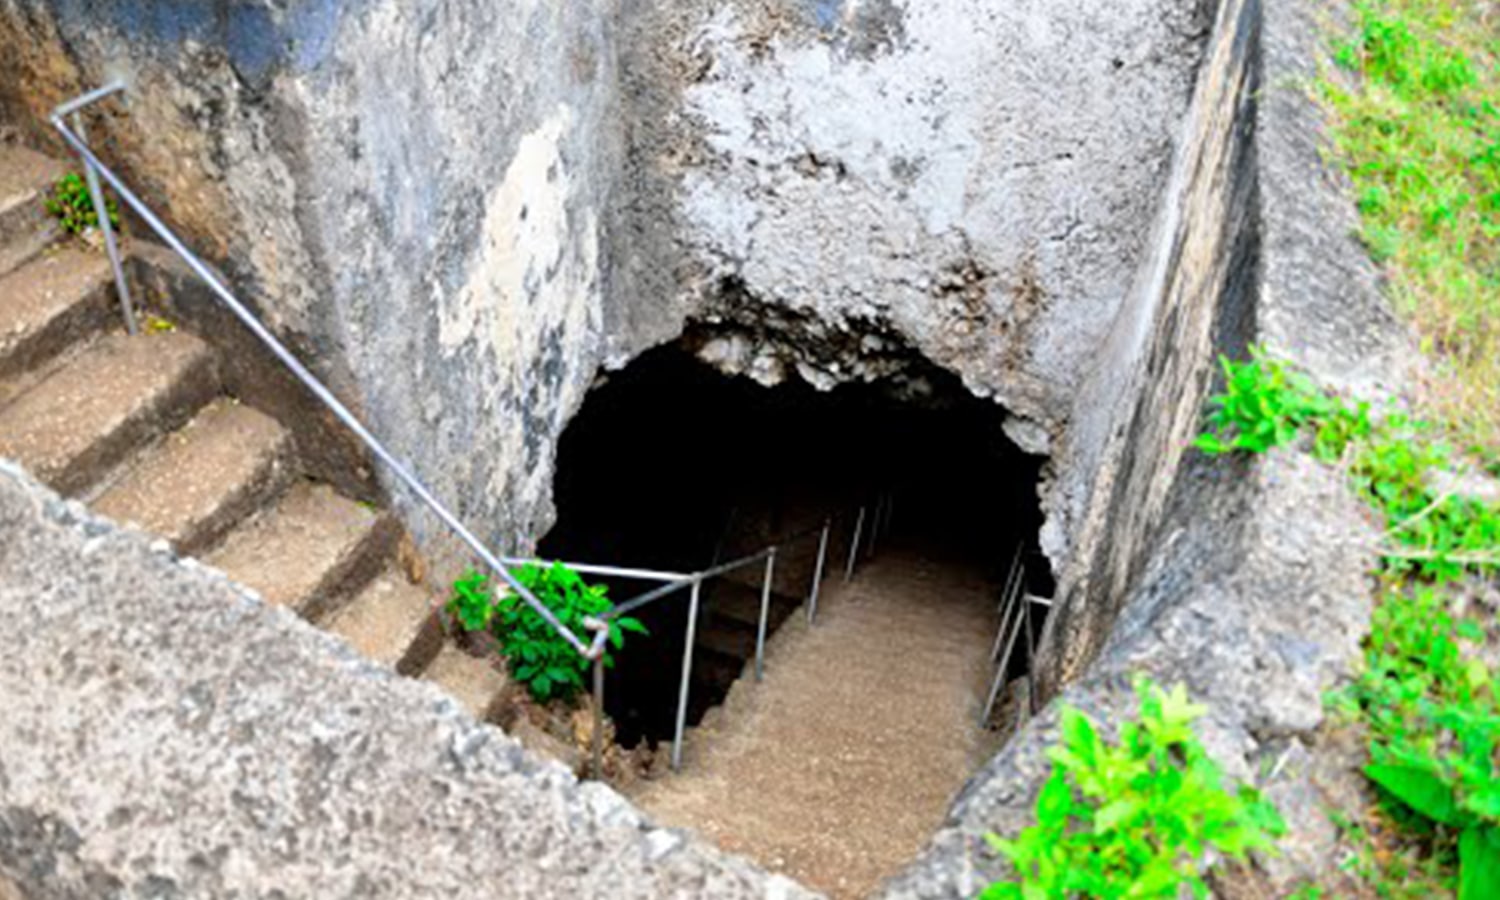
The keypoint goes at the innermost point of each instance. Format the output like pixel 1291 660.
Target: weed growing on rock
pixel 73 206
pixel 1134 818
pixel 537 655
pixel 1427 695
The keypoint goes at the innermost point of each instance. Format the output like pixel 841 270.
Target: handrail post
pixel 687 675
pixel 812 600
pixel 1007 601
pixel 101 212
pixel 859 525
pixel 1010 646
pixel 765 613
pixel 875 518
pixel 598 738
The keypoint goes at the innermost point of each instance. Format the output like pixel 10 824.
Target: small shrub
pixel 538 656
pixel 1136 818
pixel 1264 405
pixel 73 206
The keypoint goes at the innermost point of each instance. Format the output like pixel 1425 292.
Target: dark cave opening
pixel 672 465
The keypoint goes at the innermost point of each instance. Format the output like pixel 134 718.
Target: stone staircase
pixel 143 429
pixel 837 767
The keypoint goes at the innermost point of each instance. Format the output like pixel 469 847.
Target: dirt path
pixel 839 766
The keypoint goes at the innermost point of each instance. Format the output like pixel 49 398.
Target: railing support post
pixel 812 600
pixel 598 742
pixel 687 675
pixel 96 194
pixel 1010 646
pixel 859 526
pixel 765 613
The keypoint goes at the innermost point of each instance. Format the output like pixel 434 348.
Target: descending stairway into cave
pixel 141 428
pixel 841 763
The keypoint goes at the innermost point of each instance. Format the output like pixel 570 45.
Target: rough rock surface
pixel 463 211
pixel 232 750
pixel 969 179
pixel 1244 578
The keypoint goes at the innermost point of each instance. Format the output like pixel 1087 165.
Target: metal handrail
pixel 592 649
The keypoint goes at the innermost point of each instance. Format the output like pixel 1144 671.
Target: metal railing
pixel 1015 620
pixel 593 648
pixel 95 169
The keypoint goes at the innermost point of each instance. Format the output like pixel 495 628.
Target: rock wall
pixel 415 195
pixel 462 211
pixel 970 179
pixel 1243 578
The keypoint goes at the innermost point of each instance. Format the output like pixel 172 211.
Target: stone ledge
pixel 165 733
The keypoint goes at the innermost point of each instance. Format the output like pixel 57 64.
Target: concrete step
pixel 392 622
pixel 200 482
pixel 311 552
pixel 25 225
pixel 51 303
pixel 71 429
pixel 477 684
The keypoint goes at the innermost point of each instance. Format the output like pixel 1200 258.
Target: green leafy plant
pixel 1428 698
pixel 1136 818
pixel 537 654
pixel 73 206
pixel 1264 405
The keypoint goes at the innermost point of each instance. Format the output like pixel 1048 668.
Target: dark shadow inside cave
pixel 672 465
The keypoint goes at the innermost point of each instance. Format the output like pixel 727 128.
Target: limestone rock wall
pixel 415 195
pixel 1246 579
pixel 462 211
pixel 970 179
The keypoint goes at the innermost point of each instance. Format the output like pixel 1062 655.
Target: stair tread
pixel 203 477
pixel 297 553
pixel 119 393
pixel 47 302
pixel 391 622
pixel 477 684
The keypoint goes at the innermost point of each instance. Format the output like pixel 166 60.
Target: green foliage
pixel 538 656
pixel 1428 698
pixel 1136 818
pixel 1264 405
pixel 1415 109
pixel 73 206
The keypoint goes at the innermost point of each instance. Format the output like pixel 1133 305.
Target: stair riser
pixel 353 572
pixel 269 483
pixel 170 411
pixel 79 322
pixel 424 649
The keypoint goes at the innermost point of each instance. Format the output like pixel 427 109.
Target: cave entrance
pixel 672 465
